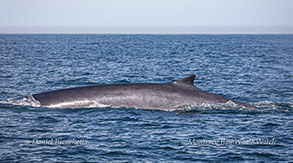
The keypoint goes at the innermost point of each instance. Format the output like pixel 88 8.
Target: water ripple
pixel 255 69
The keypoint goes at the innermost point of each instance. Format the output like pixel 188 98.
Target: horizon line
pixel 246 29
pixel 145 33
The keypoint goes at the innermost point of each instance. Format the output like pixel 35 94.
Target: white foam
pixel 273 105
pixel 207 106
pixel 25 101
pixel 96 104
pixel 31 101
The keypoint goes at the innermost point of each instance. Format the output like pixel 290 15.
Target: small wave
pixel 23 101
pixel 32 102
pixel 273 105
pixel 229 105
pixel 96 104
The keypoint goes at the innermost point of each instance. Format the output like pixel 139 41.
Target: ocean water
pixel 255 69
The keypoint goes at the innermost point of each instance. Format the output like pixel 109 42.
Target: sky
pixel 146 16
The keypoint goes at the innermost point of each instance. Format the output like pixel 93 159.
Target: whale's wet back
pixel 162 96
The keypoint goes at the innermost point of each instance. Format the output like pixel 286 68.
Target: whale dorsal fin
pixel 187 80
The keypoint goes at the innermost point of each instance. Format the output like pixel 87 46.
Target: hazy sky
pixel 146 16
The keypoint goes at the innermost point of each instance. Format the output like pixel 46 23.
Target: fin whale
pixel 160 96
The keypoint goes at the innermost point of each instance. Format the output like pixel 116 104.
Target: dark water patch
pixel 46 119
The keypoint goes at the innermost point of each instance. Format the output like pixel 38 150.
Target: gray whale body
pixel 160 96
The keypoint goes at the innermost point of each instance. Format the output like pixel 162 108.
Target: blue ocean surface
pixel 254 69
